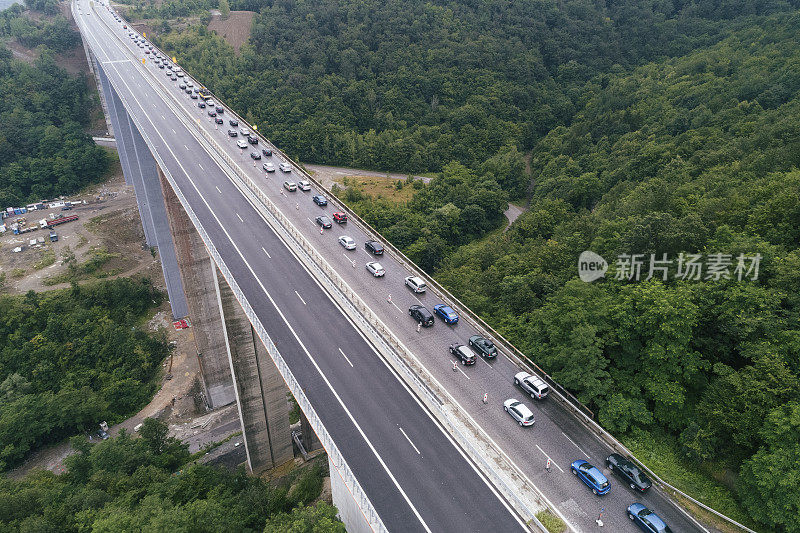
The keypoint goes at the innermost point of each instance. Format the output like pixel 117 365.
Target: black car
pixel 255 155
pixel 483 346
pixel 161 65
pixel 219 120
pixel 233 133
pixel 266 151
pixel 212 113
pixel 462 352
pixel 201 105
pixel 233 122
pixel 628 471
pixel 220 109
pixel 374 247
pixel 324 221
pixel 320 200
pixel 421 314
pixel 252 139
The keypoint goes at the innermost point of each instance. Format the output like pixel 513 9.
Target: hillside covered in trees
pixel 150 484
pixel 70 359
pixel 44 148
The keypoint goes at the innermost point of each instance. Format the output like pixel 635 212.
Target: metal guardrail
pixel 334 454
pixel 583 413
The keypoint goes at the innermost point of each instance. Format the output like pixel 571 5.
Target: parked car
pixel 373 267
pixel 483 346
pixel 374 247
pixel 629 472
pixel 533 385
pixel 446 313
pixel 466 355
pixel 421 314
pixel 347 242
pixel 325 222
pixel 519 412
pixel 646 519
pixel 591 476
pixel 415 284
pixel 339 217
pixel 290 186
pixel 319 200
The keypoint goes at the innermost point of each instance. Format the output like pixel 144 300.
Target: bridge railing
pixel 410 365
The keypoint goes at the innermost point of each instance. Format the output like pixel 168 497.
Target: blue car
pixel 320 200
pixel 446 313
pixel 592 476
pixel 646 519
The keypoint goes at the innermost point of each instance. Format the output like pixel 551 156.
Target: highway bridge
pixel 412 444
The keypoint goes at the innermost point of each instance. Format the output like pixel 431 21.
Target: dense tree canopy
pixel 697 155
pixel 412 86
pixel 70 359
pixel 44 150
pixel 54 33
pixel 145 484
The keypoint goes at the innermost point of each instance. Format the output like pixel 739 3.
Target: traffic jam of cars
pixel 464 353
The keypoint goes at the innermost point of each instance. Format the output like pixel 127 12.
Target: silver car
pixel 375 269
pixel 519 412
pixel 268 167
pixel 347 242
pixel 415 284
pixel 241 144
pixel 304 185
pixel 290 186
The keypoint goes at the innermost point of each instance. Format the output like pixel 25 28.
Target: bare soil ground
pixel 235 29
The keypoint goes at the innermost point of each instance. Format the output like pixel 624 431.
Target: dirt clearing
pixel 235 29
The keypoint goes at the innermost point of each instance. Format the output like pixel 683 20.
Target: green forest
pixel 44 112
pixel 626 127
pixel 69 359
pixel 152 484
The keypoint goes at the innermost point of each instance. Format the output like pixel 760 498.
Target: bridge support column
pixel 310 440
pixel 349 511
pixel 260 390
pixel 200 287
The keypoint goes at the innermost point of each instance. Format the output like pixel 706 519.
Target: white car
pixel 533 385
pixel 268 167
pixel 415 284
pixel 241 144
pixel 290 186
pixel 244 131
pixel 304 185
pixel 375 269
pixel 347 242
pixel 286 167
pixel 519 412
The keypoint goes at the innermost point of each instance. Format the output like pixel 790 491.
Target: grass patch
pixel 392 190
pixel 82 240
pixel 47 259
pixel 661 453
pixel 18 272
pixel 98 256
pixel 207 448
pixel 550 521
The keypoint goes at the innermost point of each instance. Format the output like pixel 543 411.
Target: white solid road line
pixel 201 166
pixel 462 372
pixel 266 252
pixel 346 358
pixel 239 217
pixel 219 191
pixel 394 304
pixel 555 463
pixel 484 360
pixel 301 298
pixel 409 441
pixel 187 148
pixel 579 448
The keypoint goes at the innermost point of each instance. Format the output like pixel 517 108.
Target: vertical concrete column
pixel 310 439
pixel 349 511
pixel 198 274
pixel 260 390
